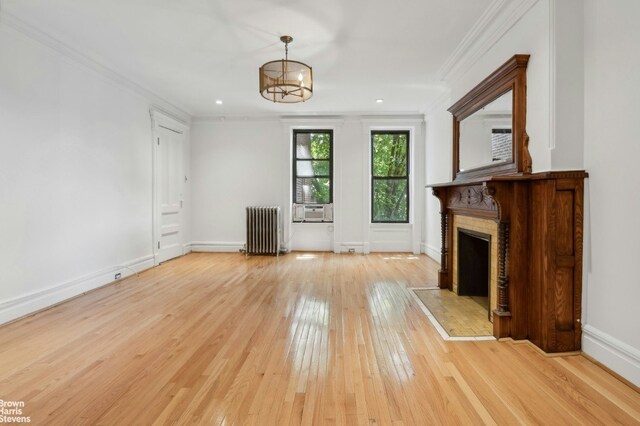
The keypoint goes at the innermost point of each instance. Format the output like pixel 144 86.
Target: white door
pixel 170 185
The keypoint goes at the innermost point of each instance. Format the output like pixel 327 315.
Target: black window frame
pixel 296 159
pixel 406 177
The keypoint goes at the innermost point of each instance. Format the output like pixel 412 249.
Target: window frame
pixel 295 160
pixel 406 177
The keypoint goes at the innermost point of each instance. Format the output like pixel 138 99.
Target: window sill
pixel 312 223
pixel 396 225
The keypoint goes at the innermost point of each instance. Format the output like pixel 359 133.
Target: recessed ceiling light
pixel 219 102
pixel 379 101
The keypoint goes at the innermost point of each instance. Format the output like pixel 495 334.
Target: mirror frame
pixel 512 75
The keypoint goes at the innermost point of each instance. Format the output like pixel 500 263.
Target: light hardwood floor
pixel 303 338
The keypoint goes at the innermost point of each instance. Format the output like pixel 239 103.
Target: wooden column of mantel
pixel 539 220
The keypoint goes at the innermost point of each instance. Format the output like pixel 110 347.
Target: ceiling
pixel 194 52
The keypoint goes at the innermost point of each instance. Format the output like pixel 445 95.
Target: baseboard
pixel 313 245
pixel 613 353
pixel 390 247
pixel 433 252
pixel 423 248
pixel 27 304
pixel 215 246
pixel 344 247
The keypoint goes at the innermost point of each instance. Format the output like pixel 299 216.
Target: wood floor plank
pixel 305 338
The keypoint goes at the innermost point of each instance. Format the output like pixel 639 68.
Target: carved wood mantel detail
pixel 539 219
pixel 471 197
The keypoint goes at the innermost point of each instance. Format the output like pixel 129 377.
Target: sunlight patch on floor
pixel 306 256
pixel 401 257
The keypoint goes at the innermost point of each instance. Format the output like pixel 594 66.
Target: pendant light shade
pixel 286 81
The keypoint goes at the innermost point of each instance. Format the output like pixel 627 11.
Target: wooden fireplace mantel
pixel 539 219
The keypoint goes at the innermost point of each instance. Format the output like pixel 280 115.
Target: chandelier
pixel 286 81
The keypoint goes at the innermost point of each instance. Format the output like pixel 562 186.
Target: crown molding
pixel 393 121
pixel 163 118
pixel 499 17
pixel 486 19
pixel 235 118
pixel 439 103
pixel 301 119
pixel 328 120
pixel 35 34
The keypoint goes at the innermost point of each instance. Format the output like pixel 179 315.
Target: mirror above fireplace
pixel 485 136
pixel 489 125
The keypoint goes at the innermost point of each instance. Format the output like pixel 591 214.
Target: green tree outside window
pixel 390 176
pixel 312 166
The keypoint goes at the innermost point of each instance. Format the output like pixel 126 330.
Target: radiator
pixel 263 230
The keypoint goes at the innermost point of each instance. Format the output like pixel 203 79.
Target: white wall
pixel 75 164
pixel 234 164
pixel 438 164
pixel 611 153
pixel 238 163
pixel 566 139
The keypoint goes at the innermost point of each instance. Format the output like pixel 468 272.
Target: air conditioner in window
pixel 313 212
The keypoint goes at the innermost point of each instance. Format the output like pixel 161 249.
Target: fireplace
pixel 535 223
pixel 537 218
pixel 474 266
pixel 488 229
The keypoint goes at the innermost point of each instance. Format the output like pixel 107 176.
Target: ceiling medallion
pixel 286 81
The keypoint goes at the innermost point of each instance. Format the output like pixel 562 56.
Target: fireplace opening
pixel 474 266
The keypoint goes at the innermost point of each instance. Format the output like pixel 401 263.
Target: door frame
pixel 160 120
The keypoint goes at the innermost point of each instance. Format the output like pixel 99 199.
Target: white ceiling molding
pixel 488 17
pixel 38 36
pixel 499 17
pixel 300 119
pixel 234 118
pixel 161 117
pixel 311 122
pixel 338 115
pixel 439 102
pixel 392 121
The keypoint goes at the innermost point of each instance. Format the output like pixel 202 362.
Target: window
pixel 313 166
pixel 390 176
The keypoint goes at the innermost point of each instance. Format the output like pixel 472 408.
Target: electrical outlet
pixel 352 251
pixel 118 276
